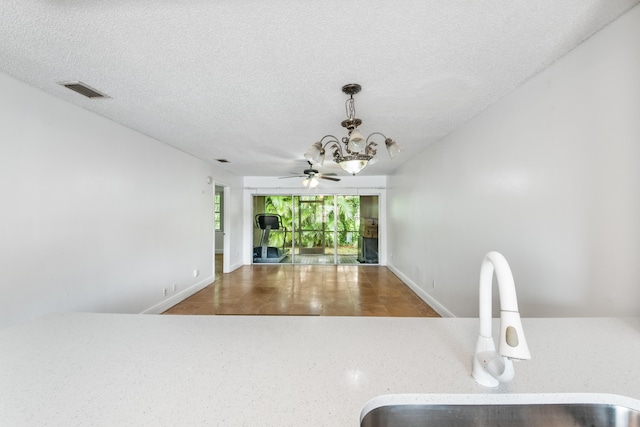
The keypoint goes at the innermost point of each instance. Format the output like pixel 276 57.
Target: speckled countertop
pixel 149 370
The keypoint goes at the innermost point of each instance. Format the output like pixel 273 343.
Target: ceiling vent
pixel 83 89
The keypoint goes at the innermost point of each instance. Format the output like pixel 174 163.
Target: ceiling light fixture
pixel 311 176
pixel 357 152
pixel 310 182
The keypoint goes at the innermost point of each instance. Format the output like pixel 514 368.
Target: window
pixel 218 211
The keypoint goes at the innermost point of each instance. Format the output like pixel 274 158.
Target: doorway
pixel 222 245
pixel 317 229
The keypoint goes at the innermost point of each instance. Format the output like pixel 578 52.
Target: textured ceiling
pixel 257 82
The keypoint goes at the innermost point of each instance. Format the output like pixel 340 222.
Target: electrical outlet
pixel 175 287
pixel 196 273
pixel 164 292
pixel 433 284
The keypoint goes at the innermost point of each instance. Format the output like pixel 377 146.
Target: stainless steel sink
pixel 512 414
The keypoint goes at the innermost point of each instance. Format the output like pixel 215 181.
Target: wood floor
pixel 312 290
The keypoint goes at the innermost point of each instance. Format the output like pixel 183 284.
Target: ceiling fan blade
pixel 328 177
pixel 330 174
pixel 293 176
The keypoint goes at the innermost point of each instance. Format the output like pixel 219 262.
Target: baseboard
pixel 235 266
pixel 433 303
pixel 164 305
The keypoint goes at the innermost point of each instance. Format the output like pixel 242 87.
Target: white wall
pixel 95 216
pixel 549 176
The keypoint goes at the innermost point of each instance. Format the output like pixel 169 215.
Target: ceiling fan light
pixel 353 166
pixel 310 182
pixel 392 147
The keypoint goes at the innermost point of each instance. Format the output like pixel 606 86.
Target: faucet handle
pixel 512 336
pixel 512 341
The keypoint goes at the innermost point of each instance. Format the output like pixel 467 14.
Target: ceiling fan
pixel 311 176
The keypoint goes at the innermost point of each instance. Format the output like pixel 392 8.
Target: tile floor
pixel 314 290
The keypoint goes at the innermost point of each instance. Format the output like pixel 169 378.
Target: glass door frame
pixel 380 193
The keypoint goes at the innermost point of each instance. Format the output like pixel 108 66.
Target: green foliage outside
pixel 315 221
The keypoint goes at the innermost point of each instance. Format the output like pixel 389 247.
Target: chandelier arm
pixel 376 133
pixel 325 137
pixel 332 140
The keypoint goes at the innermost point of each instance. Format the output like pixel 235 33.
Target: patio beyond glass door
pixel 319 229
pixel 313 239
pixel 347 224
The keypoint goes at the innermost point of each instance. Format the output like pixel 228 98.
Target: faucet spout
pixel 490 367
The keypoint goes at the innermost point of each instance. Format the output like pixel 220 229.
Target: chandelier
pixel 356 152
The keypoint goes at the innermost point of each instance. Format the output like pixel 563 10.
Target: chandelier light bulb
pixel 392 147
pixel 320 161
pixel 356 141
pixel 315 153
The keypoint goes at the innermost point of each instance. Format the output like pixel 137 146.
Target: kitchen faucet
pixel 491 367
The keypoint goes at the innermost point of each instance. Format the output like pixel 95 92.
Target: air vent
pixel 223 160
pixel 83 89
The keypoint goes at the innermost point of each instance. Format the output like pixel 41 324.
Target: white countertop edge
pixel 498 399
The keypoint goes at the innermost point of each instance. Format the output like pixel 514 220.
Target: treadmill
pixel 265 253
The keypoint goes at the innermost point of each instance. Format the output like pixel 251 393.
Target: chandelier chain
pixel 350 107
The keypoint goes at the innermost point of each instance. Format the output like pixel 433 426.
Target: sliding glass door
pixel 315 229
pixel 347 222
pixel 314 236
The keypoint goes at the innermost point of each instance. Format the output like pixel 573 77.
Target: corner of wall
pixel 163 306
pixel 426 297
